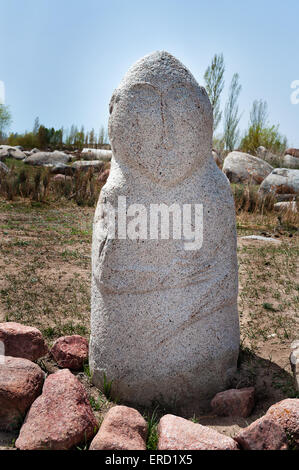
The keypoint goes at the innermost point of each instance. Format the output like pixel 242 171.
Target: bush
pixel 268 137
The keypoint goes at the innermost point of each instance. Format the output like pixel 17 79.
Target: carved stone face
pixel 160 120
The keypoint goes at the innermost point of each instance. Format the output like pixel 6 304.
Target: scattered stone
pixel 35 150
pixel 234 402
pixel 180 434
pixel 290 206
pixel 7 151
pixel 97 154
pixel 21 383
pixel 16 153
pixel 70 351
pixel 60 418
pixel 47 158
pixel 293 152
pixel 84 165
pixel 22 341
pixel 263 434
pixel 260 238
pixel 277 430
pixel 62 178
pixel 286 413
pixel 241 167
pixel 62 169
pixel 123 428
pixel 281 181
pixel 290 162
pixel 169 307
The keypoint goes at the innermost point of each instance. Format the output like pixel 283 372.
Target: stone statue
pixel 164 324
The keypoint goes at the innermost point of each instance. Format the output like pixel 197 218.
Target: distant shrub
pixel 268 137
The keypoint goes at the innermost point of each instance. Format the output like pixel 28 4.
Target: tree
pixel 214 78
pixel 43 137
pixel 259 132
pixel 36 126
pixel 92 138
pixel 259 114
pixel 5 119
pixel 231 114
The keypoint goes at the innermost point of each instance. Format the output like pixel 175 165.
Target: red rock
pixel 180 434
pixel 60 418
pixel 70 351
pixel 286 414
pixel 60 177
pixel 234 402
pixel 277 430
pixel 21 383
pixel 123 428
pixel 22 341
pixel 263 434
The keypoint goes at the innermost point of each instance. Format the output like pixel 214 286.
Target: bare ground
pixel 45 282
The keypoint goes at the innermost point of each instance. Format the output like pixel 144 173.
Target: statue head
pixel 161 120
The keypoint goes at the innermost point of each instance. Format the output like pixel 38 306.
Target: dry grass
pixel 45 255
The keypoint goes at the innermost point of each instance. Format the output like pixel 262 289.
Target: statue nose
pixel 167 126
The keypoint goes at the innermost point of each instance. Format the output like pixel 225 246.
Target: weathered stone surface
pixel 60 418
pixel 70 351
pixel 263 434
pixel 180 434
pixel 169 308
pixel 281 181
pixel 277 430
pixel 290 162
pixel 234 402
pixel 17 154
pixel 47 158
pixel 22 341
pixel 97 154
pixel 241 167
pixel 62 169
pixel 3 168
pixel 85 165
pixel 123 428
pixel 286 414
pixel 290 206
pixel 21 382
pixel 293 152
pixel 62 178
pixel 6 151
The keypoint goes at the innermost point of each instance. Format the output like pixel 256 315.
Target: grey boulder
pixel 84 165
pixel 241 167
pixel 47 158
pixel 281 181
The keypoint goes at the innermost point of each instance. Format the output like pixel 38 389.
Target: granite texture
pixel 164 323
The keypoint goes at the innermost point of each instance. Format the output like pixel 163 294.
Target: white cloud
pixel 2 92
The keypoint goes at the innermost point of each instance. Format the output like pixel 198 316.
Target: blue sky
pixel 61 59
